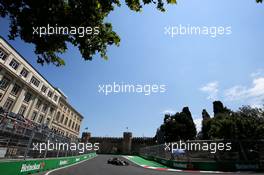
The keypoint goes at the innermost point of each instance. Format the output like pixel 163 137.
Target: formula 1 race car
pixel 117 161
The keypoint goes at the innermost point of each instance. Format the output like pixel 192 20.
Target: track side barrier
pixel 25 167
pixel 208 166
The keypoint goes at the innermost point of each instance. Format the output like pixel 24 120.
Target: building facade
pixel 67 120
pixel 25 91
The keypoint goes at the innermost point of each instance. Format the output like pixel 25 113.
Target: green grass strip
pixel 141 161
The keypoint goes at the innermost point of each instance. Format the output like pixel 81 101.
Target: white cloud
pixel 235 93
pixel 254 94
pixel 258 73
pixel 212 90
pixel 171 112
pixel 198 123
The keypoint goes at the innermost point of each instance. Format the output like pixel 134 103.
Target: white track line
pixel 176 170
pixel 47 173
pixel 127 157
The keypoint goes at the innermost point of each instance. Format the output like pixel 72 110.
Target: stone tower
pixel 127 141
pixel 86 136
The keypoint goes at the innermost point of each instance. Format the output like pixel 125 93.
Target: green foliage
pixel 206 126
pixel 246 123
pixel 177 127
pixel 26 14
pixel 205 114
pixel 219 108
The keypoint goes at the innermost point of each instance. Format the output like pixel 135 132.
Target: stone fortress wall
pixel 119 145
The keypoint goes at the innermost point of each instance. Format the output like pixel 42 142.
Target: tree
pixel 27 15
pixel 187 115
pixel 204 134
pixel 205 115
pixel 179 126
pixel 248 111
pixel 244 124
pixel 160 136
pixel 219 108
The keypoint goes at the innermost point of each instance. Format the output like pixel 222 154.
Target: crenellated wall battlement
pixel 119 145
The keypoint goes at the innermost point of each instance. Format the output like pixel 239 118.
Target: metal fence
pixel 248 150
pixel 17 139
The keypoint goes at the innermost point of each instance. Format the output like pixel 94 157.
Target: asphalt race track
pixel 99 166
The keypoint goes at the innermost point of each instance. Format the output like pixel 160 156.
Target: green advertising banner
pixel 24 167
pixel 206 165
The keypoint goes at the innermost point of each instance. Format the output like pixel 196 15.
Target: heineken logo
pixel 31 167
pixel 180 165
pixel 164 161
pixel 247 166
pixel 63 162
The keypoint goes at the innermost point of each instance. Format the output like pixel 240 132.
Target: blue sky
pixel 195 69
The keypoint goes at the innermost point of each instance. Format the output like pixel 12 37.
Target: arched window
pixel 66 121
pixel 62 118
pixel 58 116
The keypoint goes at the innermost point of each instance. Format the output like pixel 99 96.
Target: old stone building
pixel 23 90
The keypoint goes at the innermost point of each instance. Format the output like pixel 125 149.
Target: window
pixel 55 98
pixel 75 127
pixel 14 64
pixel 58 116
pixel 15 90
pixel 69 125
pixel 40 119
pixel 4 83
pixel 3 54
pixel 24 73
pixel 66 120
pixel 44 89
pixel 38 104
pixel 27 97
pixel 73 124
pixel 8 104
pixel 62 118
pixel 34 116
pixel 35 81
pixel 50 94
pixel 45 108
pixel 48 121
pixel 51 111
pixel 22 110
